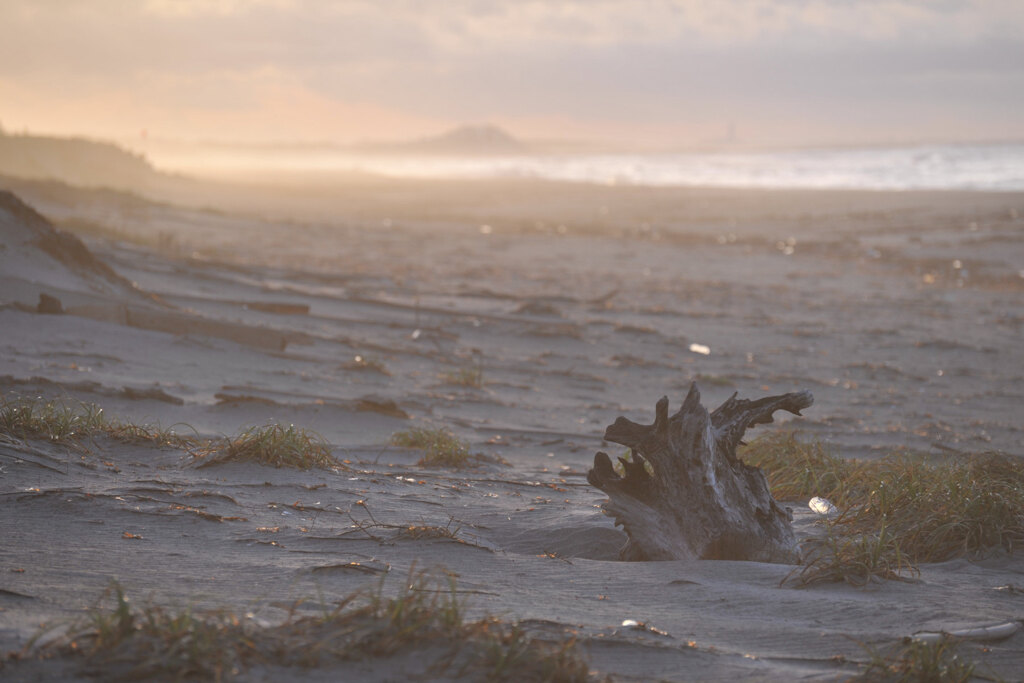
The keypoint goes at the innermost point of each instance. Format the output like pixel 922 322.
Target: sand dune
pixel 352 313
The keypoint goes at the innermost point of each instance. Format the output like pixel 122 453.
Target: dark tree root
pixel 701 500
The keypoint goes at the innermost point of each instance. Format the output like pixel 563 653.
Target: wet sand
pixel 901 312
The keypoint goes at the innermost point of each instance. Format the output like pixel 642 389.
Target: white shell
pixel 822 506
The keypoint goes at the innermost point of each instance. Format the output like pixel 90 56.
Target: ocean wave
pixel 989 167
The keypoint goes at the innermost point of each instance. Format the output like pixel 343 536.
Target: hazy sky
pixel 656 72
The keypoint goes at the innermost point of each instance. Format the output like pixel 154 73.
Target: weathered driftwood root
pixel 701 500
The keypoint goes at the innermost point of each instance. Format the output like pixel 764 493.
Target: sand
pixel 232 306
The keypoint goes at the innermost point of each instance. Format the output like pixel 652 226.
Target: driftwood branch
pixel 685 494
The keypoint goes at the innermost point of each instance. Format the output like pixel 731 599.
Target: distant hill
pixel 464 140
pixel 76 161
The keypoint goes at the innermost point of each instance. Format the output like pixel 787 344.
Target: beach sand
pixel 233 306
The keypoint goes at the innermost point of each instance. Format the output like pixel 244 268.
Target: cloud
pixel 119 35
pixel 695 62
pixel 203 8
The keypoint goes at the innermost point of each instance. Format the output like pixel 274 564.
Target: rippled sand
pixel 350 309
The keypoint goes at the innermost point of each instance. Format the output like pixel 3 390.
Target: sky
pixel 651 73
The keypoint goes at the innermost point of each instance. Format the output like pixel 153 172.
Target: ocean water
pixel 989 167
pixel 938 167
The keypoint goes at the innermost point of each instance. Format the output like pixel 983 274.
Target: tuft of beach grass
pixel 441 447
pixel 274 445
pixel 59 421
pixel 917 662
pixel 151 642
pixel 467 376
pixel 896 511
pixel 70 422
pixel 857 559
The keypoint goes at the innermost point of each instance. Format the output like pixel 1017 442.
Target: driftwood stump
pixel 701 500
